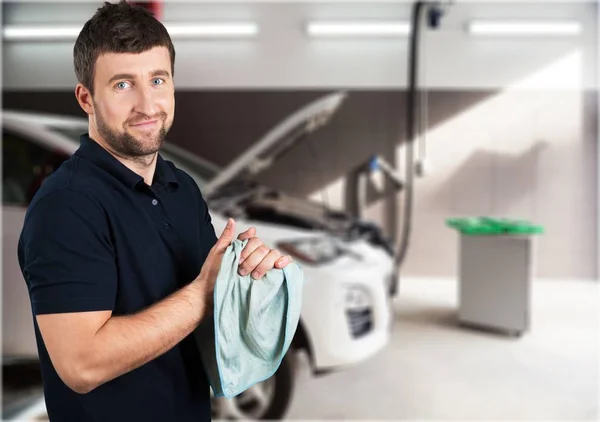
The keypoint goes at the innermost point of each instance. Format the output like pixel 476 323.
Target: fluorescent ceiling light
pixel 16 33
pixel 208 30
pixel 213 30
pixel 524 27
pixel 361 29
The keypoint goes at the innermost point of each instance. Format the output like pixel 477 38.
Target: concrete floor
pixel 435 370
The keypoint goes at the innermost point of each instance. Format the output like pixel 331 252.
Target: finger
pixel 227 236
pixel 283 261
pixel 266 264
pixel 254 259
pixel 253 244
pixel 248 234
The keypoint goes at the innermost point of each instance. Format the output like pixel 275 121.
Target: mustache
pixel 137 120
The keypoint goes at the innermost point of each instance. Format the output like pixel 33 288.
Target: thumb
pixel 227 235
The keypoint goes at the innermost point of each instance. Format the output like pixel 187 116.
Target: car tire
pixel 284 387
pixel 267 400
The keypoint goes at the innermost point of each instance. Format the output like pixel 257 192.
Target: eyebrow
pixel 157 72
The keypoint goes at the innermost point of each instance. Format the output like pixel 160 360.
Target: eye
pixel 157 81
pixel 122 85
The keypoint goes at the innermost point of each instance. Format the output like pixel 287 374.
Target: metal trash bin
pixel 496 266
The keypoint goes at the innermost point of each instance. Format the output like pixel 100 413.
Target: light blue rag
pixel 253 324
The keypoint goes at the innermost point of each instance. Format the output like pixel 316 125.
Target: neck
pixel 144 166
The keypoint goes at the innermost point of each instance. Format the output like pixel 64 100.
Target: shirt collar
pixel 93 152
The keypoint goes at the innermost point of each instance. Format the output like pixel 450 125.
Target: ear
pixel 84 98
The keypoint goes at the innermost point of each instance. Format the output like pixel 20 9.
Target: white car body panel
pixel 18 339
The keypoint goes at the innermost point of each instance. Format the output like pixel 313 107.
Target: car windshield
pixel 198 169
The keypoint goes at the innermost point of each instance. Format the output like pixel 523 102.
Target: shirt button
pixel 166 225
pixel 154 202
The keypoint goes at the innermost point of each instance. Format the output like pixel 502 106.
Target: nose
pixel 146 102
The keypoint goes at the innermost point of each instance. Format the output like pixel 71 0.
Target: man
pixel 118 250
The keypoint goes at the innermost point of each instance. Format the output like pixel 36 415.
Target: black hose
pixel 410 143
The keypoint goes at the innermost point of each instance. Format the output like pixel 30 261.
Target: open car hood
pixel 277 141
pixel 247 199
pixel 235 192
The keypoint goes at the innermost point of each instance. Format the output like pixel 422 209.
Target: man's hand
pixel 257 258
pixel 212 263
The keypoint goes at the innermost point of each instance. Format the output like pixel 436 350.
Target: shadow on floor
pixel 427 314
pixel 446 317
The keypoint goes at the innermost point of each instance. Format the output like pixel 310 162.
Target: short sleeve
pixel 66 255
pixel 208 235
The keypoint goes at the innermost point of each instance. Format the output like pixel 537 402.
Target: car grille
pixel 360 321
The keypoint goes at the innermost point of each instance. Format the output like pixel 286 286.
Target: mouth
pixel 145 124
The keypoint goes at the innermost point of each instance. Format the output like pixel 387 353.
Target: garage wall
pixel 517 155
pixel 512 126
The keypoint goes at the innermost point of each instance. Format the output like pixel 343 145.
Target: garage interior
pixel 508 129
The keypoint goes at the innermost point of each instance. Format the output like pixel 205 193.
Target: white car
pixel 346 312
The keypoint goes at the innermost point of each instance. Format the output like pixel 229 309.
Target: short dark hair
pixel 117 28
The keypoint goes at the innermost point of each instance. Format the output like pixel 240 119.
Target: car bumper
pixel 338 336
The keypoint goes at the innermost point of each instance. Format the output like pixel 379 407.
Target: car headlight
pixel 357 298
pixel 314 250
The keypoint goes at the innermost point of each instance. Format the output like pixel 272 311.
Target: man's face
pixel 134 101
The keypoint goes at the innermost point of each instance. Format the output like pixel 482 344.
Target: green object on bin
pixel 493 226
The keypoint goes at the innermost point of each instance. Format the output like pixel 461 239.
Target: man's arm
pixel 90 348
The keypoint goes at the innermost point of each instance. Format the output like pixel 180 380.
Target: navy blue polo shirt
pixel 97 237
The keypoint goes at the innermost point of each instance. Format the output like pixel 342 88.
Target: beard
pixel 129 146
